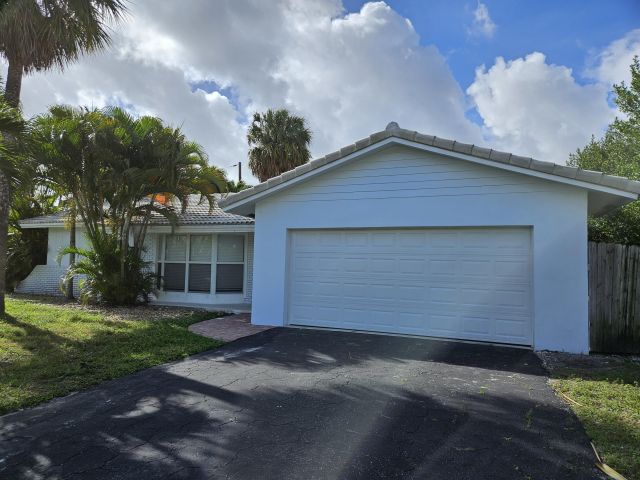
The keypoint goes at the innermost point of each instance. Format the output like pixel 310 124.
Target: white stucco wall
pixel 403 187
pixel 45 279
pixel 59 239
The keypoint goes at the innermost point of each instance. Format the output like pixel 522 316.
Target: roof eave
pixel 41 225
pixel 245 204
pixel 244 226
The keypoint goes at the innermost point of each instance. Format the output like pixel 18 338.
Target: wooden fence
pixel 614 298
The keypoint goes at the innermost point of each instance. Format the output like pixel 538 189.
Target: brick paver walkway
pixel 228 328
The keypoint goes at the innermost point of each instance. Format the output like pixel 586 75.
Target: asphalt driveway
pixel 307 404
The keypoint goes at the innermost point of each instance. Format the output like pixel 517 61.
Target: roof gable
pixel 615 190
pixel 398 172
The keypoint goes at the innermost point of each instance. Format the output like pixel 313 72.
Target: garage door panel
pixel 443 267
pixel 460 283
pixel 444 325
pixel 476 325
pixel 512 326
pixel 475 297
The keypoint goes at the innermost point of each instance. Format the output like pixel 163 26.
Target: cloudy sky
pixel 533 78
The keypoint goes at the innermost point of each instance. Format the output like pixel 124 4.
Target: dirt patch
pixel 555 361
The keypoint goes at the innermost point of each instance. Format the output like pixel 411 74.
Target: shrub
pixel 104 282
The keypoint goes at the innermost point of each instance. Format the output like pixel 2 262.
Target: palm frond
pixel 278 141
pixel 39 34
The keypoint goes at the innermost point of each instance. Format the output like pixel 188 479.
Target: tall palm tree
pixel 38 35
pixel 11 127
pixel 63 139
pixel 278 141
pixel 154 160
pixel 115 168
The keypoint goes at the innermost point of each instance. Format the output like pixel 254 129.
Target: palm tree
pixel 115 168
pixel 64 138
pixel 11 127
pixel 40 34
pixel 235 187
pixel 156 161
pixel 37 35
pixel 278 141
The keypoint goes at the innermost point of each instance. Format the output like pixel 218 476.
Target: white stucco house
pixel 398 233
pixel 206 261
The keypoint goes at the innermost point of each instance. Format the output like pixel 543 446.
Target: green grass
pixel 609 409
pixel 50 350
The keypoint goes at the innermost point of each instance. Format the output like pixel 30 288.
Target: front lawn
pixel 49 350
pixel 605 394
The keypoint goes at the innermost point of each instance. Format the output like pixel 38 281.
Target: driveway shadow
pixel 244 413
pixel 316 349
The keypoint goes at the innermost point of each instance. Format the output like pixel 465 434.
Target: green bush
pixel 25 250
pixel 101 267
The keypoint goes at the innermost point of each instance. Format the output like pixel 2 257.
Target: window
pixel 175 253
pixel 185 263
pixel 230 264
pixel 200 264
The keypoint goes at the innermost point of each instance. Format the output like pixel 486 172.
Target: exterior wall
pixel 404 187
pixel 249 290
pixel 45 279
pixel 59 239
pixel 150 253
pixel 211 299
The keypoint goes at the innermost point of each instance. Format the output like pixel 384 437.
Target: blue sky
pixel 566 31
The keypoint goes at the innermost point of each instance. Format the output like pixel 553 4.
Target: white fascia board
pixel 201 229
pixel 42 225
pixel 439 151
pixel 162 228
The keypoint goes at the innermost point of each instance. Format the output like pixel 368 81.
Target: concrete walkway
pixel 228 328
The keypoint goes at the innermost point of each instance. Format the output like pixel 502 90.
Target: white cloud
pixel 535 108
pixel 611 66
pixel 482 24
pixel 348 74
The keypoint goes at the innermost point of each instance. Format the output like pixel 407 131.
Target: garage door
pixel 472 284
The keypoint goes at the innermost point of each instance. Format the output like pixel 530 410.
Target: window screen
pixel 199 277
pixel 229 277
pixel 174 276
pixel 200 248
pixel 230 264
pixel 230 248
pixel 175 248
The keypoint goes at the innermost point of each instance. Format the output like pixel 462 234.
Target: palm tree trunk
pixel 12 96
pixel 14 83
pixel 72 244
pixel 5 201
pixel 124 245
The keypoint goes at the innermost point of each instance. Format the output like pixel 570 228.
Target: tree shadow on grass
pixel 32 335
pixel 60 365
pixel 57 364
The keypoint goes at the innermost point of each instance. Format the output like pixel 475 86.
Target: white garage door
pixel 466 283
